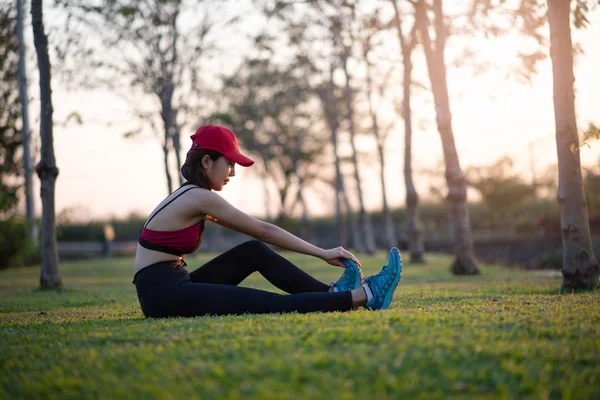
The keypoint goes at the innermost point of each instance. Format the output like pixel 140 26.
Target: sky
pixel 104 175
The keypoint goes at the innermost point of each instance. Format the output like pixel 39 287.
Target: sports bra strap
pixel 172 200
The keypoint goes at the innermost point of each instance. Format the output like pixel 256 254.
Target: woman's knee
pixel 256 247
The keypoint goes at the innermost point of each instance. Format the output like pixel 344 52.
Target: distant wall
pixel 526 253
pixel 531 253
pixel 534 251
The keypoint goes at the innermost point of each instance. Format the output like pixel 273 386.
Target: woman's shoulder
pixel 203 199
pixel 198 190
pixel 191 188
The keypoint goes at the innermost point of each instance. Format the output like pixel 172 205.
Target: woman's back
pixel 172 230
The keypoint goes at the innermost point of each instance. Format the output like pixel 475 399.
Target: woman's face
pixel 218 172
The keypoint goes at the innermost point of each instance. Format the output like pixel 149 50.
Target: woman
pixel 174 229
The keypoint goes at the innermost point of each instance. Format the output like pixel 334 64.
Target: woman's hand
pixel 335 256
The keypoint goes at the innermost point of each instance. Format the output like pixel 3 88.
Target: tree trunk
pixel 264 174
pixel 175 136
pixel 282 214
pixel 414 228
pixel 458 211
pixel 267 194
pixel 357 243
pixel 46 169
pixel 580 268
pixel 166 162
pixel 165 91
pixel 177 150
pixel 330 110
pixel 167 116
pixel 365 219
pixel 307 224
pixel 306 228
pixel 339 192
pixel 294 169
pixel 24 99
pixel 390 236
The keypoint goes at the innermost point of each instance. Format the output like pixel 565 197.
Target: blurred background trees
pixel 269 108
pixel 145 53
pixel 315 96
pixel 15 243
pixel 11 136
pixel 414 226
pixel 26 131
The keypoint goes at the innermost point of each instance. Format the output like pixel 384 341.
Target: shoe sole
pixel 396 258
pixel 352 264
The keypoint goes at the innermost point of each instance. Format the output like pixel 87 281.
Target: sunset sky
pixel 102 174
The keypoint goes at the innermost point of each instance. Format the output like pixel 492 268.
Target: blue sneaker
pixel 384 283
pixel 351 278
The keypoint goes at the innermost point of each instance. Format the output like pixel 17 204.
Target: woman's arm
pixel 221 223
pixel 223 213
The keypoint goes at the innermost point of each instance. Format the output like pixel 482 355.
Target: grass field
pixel 504 334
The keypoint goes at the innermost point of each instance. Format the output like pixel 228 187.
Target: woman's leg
pixel 197 299
pixel 235 265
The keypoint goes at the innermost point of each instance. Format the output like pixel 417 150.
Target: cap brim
pixel 239 158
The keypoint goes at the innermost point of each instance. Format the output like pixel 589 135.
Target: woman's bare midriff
pixel 145 257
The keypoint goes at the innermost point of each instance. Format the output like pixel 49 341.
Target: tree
pixel 333 23
pixel 373 26
pixel 458 212
pixel 268 109
pixel 330 105
pixel 580 268
pixel 414 227
pixel 305 25
pixel 349 95
pixel 342 26
pixel 15 245
pixel 46 168
pixel 143 49
pixel 26 133
pixel 11 137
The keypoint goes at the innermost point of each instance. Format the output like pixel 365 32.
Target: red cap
pixel 221 139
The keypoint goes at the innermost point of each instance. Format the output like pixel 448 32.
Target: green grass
pixel 504 334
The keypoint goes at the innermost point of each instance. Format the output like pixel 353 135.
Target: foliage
pixel 268 108
pixel 142 51
pixel 591 187
pixel 496 18
pixel 126 229
pixel 11 168
pixel 15 245
pixel 591 133
pixel 530 217
pixel 580 11
pixel 83 231
pixel 501 188
pixel 503 334
pixel 134 43
pixel 16 248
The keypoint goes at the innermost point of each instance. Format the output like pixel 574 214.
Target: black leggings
pixel 166 289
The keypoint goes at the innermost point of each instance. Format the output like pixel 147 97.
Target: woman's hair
pixel 192 169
